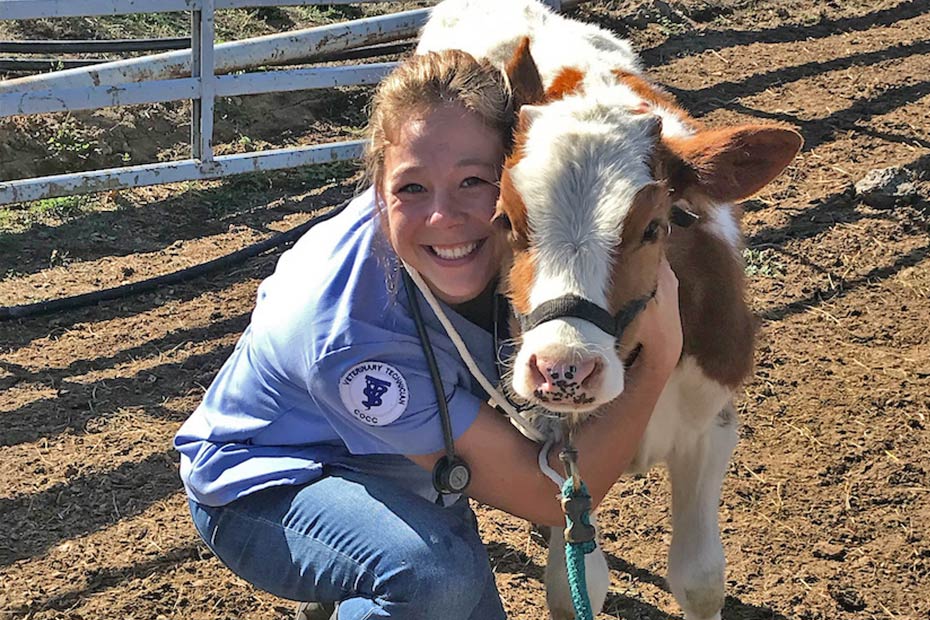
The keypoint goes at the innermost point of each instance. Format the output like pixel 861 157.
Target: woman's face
pixel 440 186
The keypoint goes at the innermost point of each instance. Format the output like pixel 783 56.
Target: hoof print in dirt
pixel 846 598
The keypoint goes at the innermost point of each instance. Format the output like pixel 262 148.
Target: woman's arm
pixel 504 466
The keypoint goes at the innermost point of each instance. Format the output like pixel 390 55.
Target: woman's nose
pixel 444 211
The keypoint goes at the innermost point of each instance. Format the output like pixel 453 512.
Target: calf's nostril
pixel 584 370
pixel 537 372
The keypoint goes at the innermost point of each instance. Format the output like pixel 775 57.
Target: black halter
pixel 572 306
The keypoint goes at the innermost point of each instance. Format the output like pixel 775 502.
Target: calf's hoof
pixel 703 603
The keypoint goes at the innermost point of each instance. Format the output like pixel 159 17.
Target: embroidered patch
pixel 374 392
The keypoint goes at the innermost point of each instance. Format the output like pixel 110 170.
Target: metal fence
pixel 196 74
pixel 200 73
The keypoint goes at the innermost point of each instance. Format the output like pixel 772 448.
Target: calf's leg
pixel 695 559
pixel 558 593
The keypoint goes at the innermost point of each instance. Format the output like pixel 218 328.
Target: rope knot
pixel 576 504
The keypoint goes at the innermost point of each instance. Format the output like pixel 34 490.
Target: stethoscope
pixel 451 473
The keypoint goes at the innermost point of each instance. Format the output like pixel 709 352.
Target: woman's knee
pixel 440 574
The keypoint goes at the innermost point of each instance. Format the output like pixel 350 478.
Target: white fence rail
pixel 197 74
pixel 232 56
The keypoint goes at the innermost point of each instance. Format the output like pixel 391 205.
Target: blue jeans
pixel 379 549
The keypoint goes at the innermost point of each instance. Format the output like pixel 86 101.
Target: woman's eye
pixel 411 188
pixel 472 182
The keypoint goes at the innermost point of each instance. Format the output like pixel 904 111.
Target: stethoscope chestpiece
pixel 451 475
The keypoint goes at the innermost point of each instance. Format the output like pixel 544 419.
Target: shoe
pixel 316 611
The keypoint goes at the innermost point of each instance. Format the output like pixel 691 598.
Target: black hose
pixel 359 53
pixel 94 45
pixel 87 299
pixel 26 65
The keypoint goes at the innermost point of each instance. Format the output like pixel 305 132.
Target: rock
pixel 884 187
pixel 909 189
pixel 829 551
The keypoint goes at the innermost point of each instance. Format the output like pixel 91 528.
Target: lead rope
pixel 579 533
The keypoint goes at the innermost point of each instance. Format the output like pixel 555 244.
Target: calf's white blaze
pixel 586 158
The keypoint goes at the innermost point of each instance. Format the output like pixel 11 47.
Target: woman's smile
pixel 456 253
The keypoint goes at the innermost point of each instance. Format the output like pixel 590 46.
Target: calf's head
pixel 586 198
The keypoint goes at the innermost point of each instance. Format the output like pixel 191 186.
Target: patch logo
pixel 374 392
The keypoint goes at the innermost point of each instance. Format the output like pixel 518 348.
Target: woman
pixel 308 462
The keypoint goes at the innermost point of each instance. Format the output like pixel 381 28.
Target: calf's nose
pixel 551 375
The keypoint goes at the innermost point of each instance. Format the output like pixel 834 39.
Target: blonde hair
pixel 429 81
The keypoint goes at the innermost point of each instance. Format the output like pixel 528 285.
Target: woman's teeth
pixel 453 252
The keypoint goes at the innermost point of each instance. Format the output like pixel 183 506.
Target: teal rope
pixel 574 557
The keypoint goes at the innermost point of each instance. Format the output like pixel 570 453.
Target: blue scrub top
pixel 329 368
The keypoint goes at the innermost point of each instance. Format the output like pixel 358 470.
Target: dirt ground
pixel 826 507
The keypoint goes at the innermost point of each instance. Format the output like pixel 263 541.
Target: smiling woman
pixel 308 463
pixel 435 158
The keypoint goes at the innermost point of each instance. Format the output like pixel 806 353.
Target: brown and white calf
pixel 601 158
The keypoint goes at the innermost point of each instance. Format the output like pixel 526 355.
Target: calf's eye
pixel 652 232
pixel 501 220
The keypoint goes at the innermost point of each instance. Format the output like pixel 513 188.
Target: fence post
pixel 202 67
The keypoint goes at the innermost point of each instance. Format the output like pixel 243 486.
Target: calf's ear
pixel 525 82
pixel 731 164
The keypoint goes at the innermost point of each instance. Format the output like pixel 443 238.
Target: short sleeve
pixel 380 398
